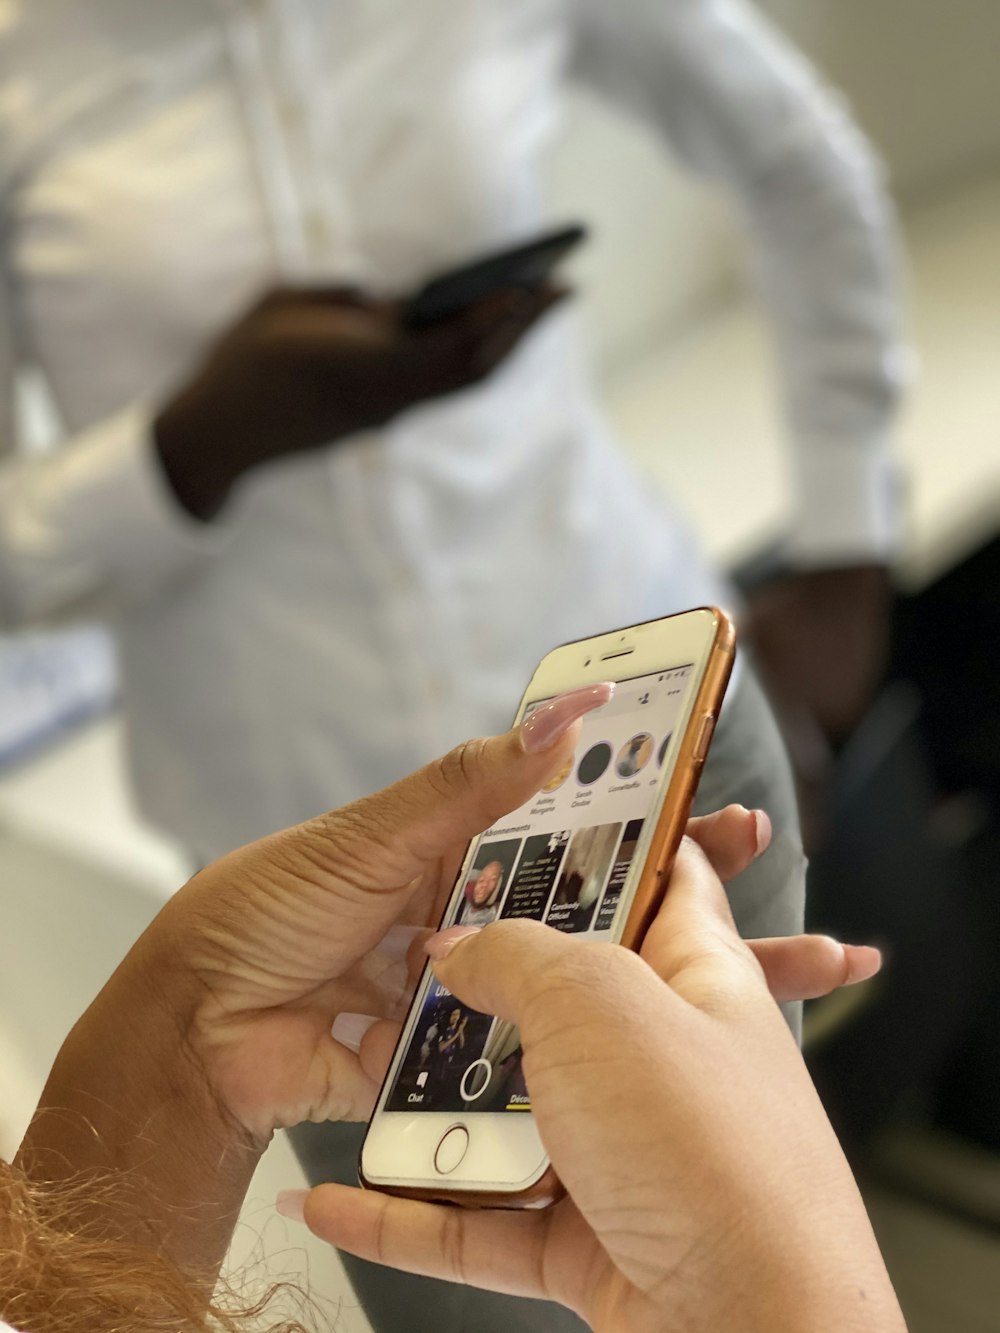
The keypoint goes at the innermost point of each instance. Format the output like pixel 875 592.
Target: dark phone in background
pixel 527 266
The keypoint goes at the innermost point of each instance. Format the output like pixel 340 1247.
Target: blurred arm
pixel 741 107
pixel 92 524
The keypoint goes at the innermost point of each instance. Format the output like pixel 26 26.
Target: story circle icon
pixel 634 755
pixel 594 763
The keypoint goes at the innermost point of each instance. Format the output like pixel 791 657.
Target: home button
pixel 452 1148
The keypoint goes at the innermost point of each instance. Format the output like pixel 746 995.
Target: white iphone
pixel 589 854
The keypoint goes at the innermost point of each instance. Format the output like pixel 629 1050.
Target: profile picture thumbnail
pixel 594 764
pixel 634 755
pixel 486 882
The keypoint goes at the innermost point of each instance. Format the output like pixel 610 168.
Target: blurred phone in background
pixel 527 266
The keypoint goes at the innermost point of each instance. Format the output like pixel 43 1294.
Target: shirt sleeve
pixel 741 107
pixel 92 526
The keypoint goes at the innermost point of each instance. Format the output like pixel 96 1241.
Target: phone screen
pixel 564 858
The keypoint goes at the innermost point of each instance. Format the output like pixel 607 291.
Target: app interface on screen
pixel 563 858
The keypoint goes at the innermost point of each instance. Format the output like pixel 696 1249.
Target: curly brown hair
pixel 59 1277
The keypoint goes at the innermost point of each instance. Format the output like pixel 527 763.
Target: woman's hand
pixel 277 939
pixel 307 366
pixel 216 1027
pixel 706 1187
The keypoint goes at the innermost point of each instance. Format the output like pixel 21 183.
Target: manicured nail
pixel 395 943
pixel 292 1204
pixel 348 1029
pixel 546 724
pixel 441 944
pixel 863 961
pixel 763 829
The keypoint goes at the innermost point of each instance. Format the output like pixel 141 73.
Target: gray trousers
pixel 747 764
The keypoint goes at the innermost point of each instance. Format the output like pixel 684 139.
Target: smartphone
pixel 589 854
pixel 525 265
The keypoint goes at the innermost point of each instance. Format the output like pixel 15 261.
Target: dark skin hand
pixel 308 366
pixel 822 643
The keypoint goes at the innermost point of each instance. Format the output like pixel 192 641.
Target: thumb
pixel 692 944
pixel 501 968
pixel 350 873
pixel 390 839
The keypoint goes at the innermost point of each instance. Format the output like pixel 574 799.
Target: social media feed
pixel 563 858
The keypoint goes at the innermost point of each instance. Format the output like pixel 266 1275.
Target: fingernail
pixel 763 829
pixel 441 944
pixel 395 943
pixel 546 724
pixel 348 1029
pixel 863 961
pixel 292 1204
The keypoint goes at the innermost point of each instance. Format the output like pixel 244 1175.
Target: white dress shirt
pixel 357 609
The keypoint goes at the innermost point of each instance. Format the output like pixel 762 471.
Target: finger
pixel 406 943
pixel 331 1083
pixel 393 836
pixel 693 935
pixel 501 969
pixel 357 868
pixel 316 329
pixel 731 838
pixel 354 1067
pixel 377 1047
pixel 495 1250
pixel 804 967
pixel 498 969
pixel 291 296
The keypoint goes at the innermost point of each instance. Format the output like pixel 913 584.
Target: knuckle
pixel 579 968
pixel 832 958
pixel 458 771
pixel 738 986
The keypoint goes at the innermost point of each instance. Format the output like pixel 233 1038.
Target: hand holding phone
pixel 703 1177
pixel 307 367
pixel 587 855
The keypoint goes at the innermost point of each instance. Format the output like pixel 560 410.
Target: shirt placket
pixel 289 113
pixel 293 128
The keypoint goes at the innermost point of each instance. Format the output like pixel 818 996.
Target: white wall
pixel 922 77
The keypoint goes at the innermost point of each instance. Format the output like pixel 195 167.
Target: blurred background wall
pixel 922 81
